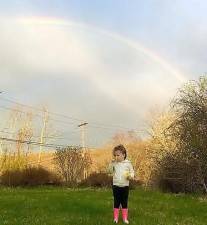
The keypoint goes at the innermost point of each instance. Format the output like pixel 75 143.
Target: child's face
pixel 119 156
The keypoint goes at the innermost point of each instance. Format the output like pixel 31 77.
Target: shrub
pixel 73 164
pixel 97 180
pixel 30 176
pixel 102 179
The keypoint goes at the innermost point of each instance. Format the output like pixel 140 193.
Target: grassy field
pixel 64 206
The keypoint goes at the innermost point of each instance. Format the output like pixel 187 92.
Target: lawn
pixel 64 206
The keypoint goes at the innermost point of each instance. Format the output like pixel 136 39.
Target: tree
pixel 179 145
pixel 71 163
pixel 14 153
pixel 190 125
pixel 159 147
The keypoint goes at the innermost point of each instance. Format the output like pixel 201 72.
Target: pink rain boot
pixel 125 216
pixel 116 215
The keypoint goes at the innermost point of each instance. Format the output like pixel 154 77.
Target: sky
pixel 107 63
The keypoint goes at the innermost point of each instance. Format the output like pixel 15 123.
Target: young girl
pixel 122 171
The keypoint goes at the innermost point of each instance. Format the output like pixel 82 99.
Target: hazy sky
pixel 105 62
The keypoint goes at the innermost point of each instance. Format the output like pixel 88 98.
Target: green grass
pixel 64 206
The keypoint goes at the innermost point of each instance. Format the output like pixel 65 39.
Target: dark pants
pixel 120 196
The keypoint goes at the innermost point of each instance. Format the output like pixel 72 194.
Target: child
pixel 122 171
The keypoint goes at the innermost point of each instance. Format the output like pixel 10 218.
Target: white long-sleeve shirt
pixel 120 171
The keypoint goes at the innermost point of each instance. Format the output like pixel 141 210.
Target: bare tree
pixel 71 163
pixel 14 153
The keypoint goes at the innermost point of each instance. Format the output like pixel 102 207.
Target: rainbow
pixel 117 37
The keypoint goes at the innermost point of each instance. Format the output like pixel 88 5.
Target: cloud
pixel 81 73
pixel 28 49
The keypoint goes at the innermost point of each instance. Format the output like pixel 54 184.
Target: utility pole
pixel 82 126
pixel 43 131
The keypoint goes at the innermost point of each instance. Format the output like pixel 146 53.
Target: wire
pixel 44 144
pixel 38 109
pixel 93 124
pixel 60 121
pixel 45 137
pixel 32 142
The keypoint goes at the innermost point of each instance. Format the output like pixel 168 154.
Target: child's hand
pixel 127 175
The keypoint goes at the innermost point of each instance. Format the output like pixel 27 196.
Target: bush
pixel 30 176
pixel 177 173
pixel 102 179
pixel 97 180
pixel 73 164
pixel 135 183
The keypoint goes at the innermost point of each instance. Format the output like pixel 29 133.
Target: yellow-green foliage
pixel 10 162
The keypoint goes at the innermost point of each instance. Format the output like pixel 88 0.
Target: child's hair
pixel 120 148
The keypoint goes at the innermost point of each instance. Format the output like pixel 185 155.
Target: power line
pixel 45 137
pixel 31 142
pixel 50 145
pixel 38 109
pixel 56 120
pixel 93 124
